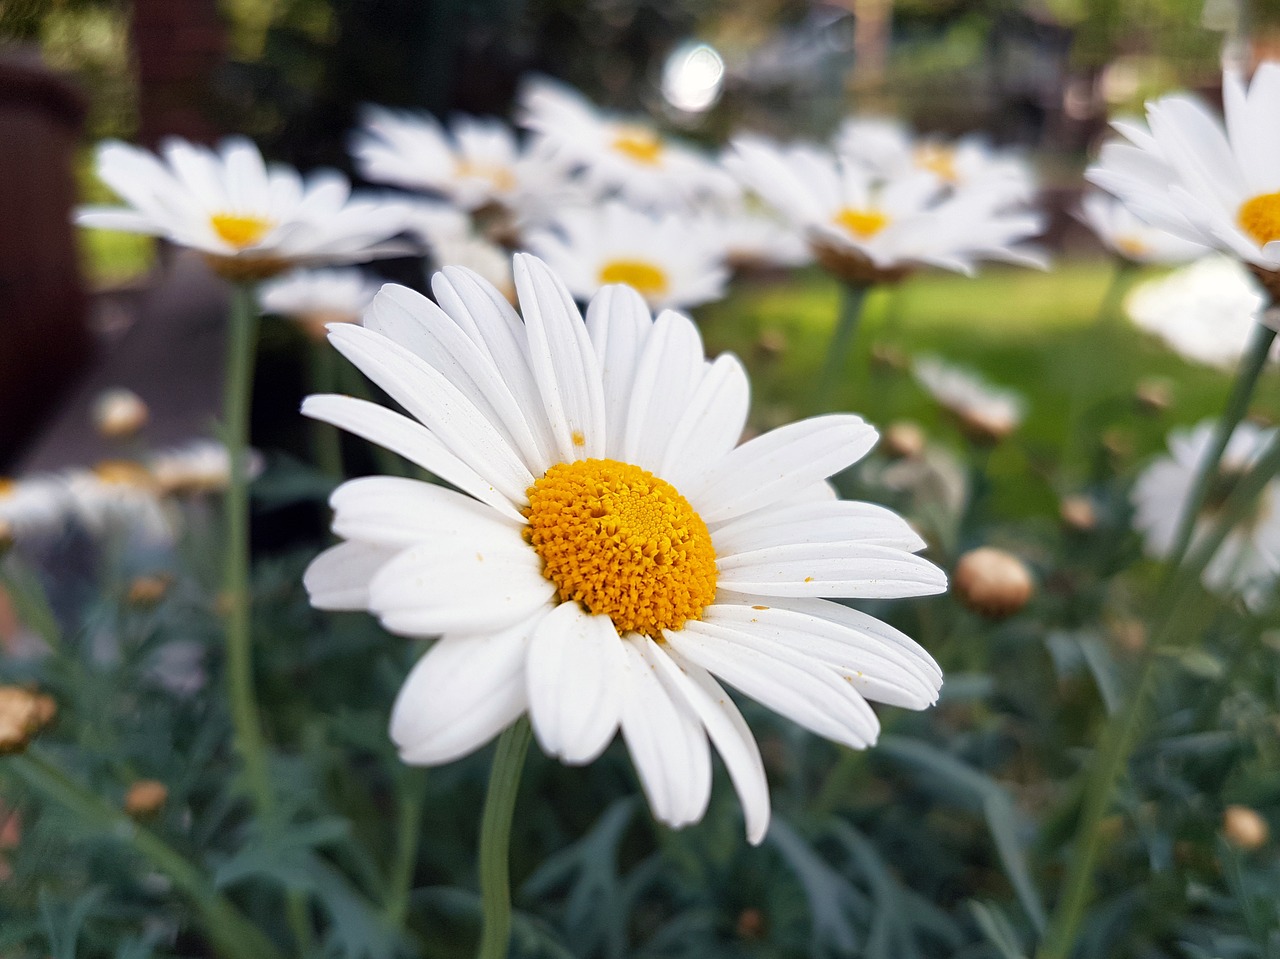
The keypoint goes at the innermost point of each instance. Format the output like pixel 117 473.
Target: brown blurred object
pixel 146 797
pixel 42 298
pixel 178 46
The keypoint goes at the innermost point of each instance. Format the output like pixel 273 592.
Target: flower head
pixel 315 298
pixel 32 506
pixel 251 220
pixel 1125 235
pixel 1248 562
pixel 609 548
pixel 669 259
pixel 985 413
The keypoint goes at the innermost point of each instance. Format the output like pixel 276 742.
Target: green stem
pixel 853 297
pixel 229 932
pixel 1122 733
pixel 1251 365
pixel 408 831
pixel 246 718
pixel 326 443
pixel 30 601
pixel 495 839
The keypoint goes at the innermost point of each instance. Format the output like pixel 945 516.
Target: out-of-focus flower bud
pixel 772 342
pixel 1153 395
pixel 1245 828
pixel 1077 514
pixel 904 440
pixel 146 797
pixel 145 591
pixel 23 714
pixel 119 413
pixel 992 582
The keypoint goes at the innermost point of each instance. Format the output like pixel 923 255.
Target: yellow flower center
pixel 645 278
pixel 501 178
pixel 7 487
pixel 123 473
pixel 1260 217
pixel 1133 247
pixel 863 224
pixel 640 144
pixel 939 160
pixel 623 543
pixel 240 231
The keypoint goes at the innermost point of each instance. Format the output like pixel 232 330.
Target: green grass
pixel 1036 333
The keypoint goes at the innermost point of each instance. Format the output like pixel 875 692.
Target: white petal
pixel 575 678
pixel 729 733
pixel 461 694
pixel 563 361
pixel 398 513
pixel 781 463
pixel 618 323
pixel 806 691
pixel 711 424
pixel 668 371
pixel 817 522
pixel 849 570
pixel 409 439
pixel 426 591
pixel 339 577
pixel 665 739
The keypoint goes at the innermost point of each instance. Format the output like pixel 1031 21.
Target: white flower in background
pixel 316 298
pixel 887 147
pixel 866 229
pixel 1248 562
pixel 488 260
pixel 120 498
pixel 252 220
pixel 670 259
pixel 32 506
pixel 609 546
pixel 623 154
pixel 200 466
pixel 1187 173
pixel 752 235
pixel 986 413
pixel 1206 311
pixel 1125 235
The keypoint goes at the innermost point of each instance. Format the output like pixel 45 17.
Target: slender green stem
pixel 245 716
pixel 1251 365
pixel 1122 733
pixel 30 601
pixel 231 934
pixel 326 443
pixel 408 831
pixel 495 839
pixel 1100 340
pixel 853 298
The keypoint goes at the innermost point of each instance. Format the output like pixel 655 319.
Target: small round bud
pixel 1128 634
pixel 119 414
pixel 984 427
pixel 751 924
pixel 1077 514
pixel 1153 395
pixel 992 583
pixel 1244 828
pixel 772 342
pixel 146 797
pixel 147 591
pixel 1118 444
pixel 890 358
pixel 23 714
pixel 904 440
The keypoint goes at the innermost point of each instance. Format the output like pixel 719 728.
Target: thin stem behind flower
pixel 853 296
pixel 495 839
pixel 326 442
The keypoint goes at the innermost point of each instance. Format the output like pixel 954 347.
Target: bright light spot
pixel 693 77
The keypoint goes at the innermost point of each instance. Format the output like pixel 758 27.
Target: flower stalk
pixel 853 297
pixel 495 839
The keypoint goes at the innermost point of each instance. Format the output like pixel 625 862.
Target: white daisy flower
pixel 32 506
pixel 120 498
pixel 1206 311
pixel 624 154
pixel 201 466
pixel 1128 237
pixel 753 236
pixel 1248 562
pixel 668 258
pixel 609 546
pixel 250 219
pixel 887 148
pixel 867 229
pixel 1188 173
pixel 986 413
pixel 315 298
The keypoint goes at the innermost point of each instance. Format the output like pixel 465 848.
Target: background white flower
pixel 1124 234
pixel 979 406
pixel 609 546
pixel 323 296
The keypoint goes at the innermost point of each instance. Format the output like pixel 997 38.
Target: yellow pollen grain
pixel 938 160
pixel 238 230
pixel 641 145
pixel 578 438
pixel 644 277
pixel 1259 217
pixel 863 224
pixel 623 543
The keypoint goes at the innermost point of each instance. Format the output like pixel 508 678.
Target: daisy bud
pixel 147 591
pixel 23 714
pixel 1129 634
pixel 992 583
pixel 772 342
pixel 146 797
pixel 1245 828
pixel 904 440
pixel 890 358
pixel 1153 395
pixel 751 924
pixel 1078 514
pixel 119 414
pixel 1118 444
